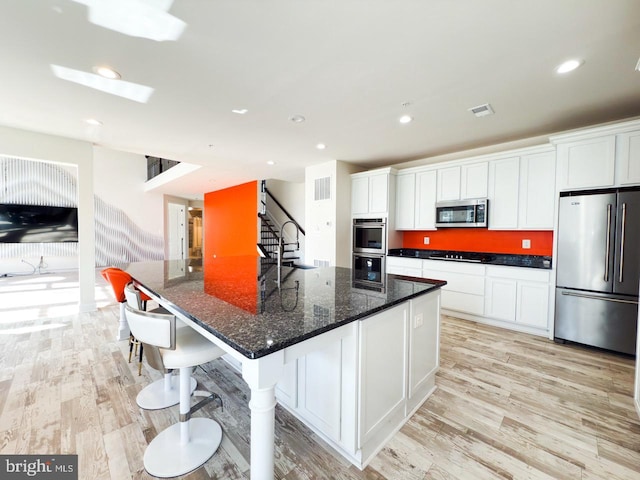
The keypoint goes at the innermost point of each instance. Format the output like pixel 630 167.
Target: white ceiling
pixel 347 66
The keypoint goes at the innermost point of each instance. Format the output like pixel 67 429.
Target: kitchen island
pixel 351 361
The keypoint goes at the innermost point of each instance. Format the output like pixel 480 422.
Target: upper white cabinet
pixel 522 191
pixel 504 178
pixel 628 157
pixel 604 156
pixel 416 200
pixel 537 191
pixel 473 180
pixel 448 184
pixel 405 201
pixel 371 191
pixel 462 181
pixel 587 163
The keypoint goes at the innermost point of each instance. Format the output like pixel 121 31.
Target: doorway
pixel 195 232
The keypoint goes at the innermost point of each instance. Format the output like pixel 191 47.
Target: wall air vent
pixel 322 190
pixel 482 110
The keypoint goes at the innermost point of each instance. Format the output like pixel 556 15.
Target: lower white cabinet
pixel 533 304
pixel 464 291
pixel 362 386
pixel 404 266
pixel 519 295
pixel 510 297
pixel 383 343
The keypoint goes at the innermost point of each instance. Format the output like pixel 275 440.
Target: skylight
pixel 128 90
pixel 137 18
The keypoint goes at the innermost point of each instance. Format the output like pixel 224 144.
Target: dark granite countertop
pixel 231 300
pixel 510 260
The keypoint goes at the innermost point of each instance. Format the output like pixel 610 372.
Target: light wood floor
pixel 508 406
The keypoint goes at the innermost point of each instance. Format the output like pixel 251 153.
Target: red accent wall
pixel 481 240
pixel 230 221
pixel 234 280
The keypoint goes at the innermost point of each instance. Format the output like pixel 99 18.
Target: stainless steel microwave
pixel 463 213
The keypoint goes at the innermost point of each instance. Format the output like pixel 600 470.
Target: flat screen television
pixel 37 224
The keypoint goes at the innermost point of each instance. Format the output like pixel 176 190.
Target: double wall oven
pixel 369 250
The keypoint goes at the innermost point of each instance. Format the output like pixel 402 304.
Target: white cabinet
pixel 448 184
pixel 533 304
pixel 500 298
pixel 424 348
pixel 405 201
pixel 464 291
pixel 320 400
pixel 371 191
pixel 504 178
pixel 425 214
pixel 404 266
pixel 628 158
pixel 537 191
pixel 359 195
pixel 519 295
pixel 604 156
pixel 586 163
pixel 462 181
pixel 416 200
pixel 362 384
pixel 473 180
pixel 522 192
pixel 383 361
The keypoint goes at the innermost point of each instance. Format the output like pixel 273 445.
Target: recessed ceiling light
pixel 297 118
pixel 405 119
pixel 321 146
pixel 107 72
pixel 568 66
pixel 93 121
pixel 240 111
pixel 271 162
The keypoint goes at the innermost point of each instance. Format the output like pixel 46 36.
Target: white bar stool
pixel 165 392
pixel 188 444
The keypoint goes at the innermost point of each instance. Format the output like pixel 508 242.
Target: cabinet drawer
pixel 462 302
pixel 453 266
pixel 458 282
pixel 411 272
pixel 404 262
pixel 519 273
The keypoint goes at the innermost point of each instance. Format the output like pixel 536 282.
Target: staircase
pixel 274 244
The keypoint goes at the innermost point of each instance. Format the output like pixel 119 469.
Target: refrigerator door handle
pixel 595 297
pixel 608 244
pixel 624 227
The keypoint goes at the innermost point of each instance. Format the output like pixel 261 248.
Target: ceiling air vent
pixel 482 110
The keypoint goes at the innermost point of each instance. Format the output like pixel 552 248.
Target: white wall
pixel 37 146
pixel 328 221
pixel 119 181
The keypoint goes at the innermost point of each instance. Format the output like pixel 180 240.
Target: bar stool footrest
pixel 166 457
pixel 155 397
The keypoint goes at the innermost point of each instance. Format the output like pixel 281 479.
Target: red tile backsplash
pixel 481 240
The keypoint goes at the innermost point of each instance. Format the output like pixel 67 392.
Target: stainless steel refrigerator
pixel 598 266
